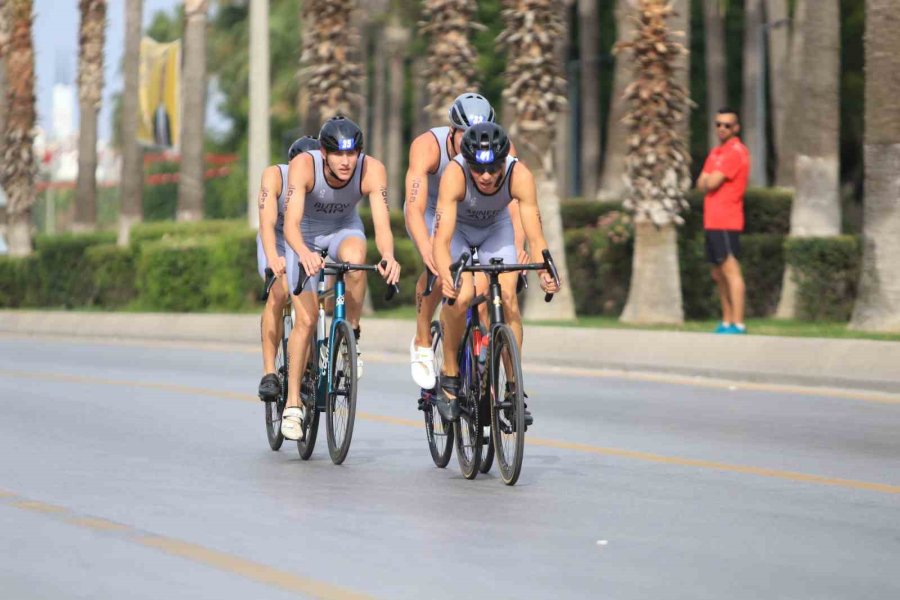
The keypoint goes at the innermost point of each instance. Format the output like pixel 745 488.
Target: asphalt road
pixel 142 471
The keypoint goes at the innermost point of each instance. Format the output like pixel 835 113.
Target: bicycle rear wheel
pixel 467 430
pixel 308 388
pixel 340 405
pixel 507 404
pixel 275 408
pixel 438 430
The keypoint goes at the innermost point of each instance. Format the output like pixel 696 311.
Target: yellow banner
pixel 160 94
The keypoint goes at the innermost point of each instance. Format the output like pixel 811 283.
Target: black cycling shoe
pixel 446 400
pixel 269 388
pixel 529 419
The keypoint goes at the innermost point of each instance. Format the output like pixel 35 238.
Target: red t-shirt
pixel 724 208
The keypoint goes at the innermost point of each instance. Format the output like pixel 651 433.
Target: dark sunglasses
pixel 479 169
pixel 725 125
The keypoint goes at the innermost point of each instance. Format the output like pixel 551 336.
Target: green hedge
pixel 62 269
pixel 13 279
pixel 398 223
pixel 826 271
pixel 153 231
pixel 766 210
pixel 172 275
pixel 112 270
pixel 411 267
pixel 232 282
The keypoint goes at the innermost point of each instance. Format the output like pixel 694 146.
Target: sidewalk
pixel 846 363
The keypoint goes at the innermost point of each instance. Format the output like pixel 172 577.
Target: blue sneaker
pixel 734 329
pixel 723 328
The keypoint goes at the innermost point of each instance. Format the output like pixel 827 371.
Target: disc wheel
pixel 308 387
pixel 507 404
pixel 467 430
pixel 438 430
pixel 340 404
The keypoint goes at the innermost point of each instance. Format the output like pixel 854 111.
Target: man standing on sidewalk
pixel 724 181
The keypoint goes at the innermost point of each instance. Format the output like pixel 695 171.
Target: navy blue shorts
pixel 720 243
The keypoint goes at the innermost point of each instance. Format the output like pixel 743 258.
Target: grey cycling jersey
pixel 327 209
pixel 279 223
pixel 479 209
pixel 441 134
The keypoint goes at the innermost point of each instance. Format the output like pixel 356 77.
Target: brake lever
pixel 456 272
pixel 550 266
pixel 393 289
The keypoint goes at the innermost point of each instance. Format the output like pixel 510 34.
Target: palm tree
pixel 90 94
pixel 589 42
pixel 716 62
pixel 753 73
pixel 657 165
pixel 536 89
pixel 612 182
pixel 451 55
pixel 778 39
pixel 132 179
pixel 329 71
pixel 4 43
pixel 193 82
pixel 397 38
pixel 816 210
pixel 878 305
pixel 17 165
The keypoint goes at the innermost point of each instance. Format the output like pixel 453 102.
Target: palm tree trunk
pixel 132 179
pixel 716 63
pixel 589 34
pixel 654 292
pixel 535 87
pixel 452 57
pixel 778 39
pixel 259 82
pixel 379 91
pixel 90 94
pixel 793 97
pixel 752 110
pixel 193 82
pixel 816 210
pixel 16 152
pixel 397 39
pixel 878 305
pixel 680 24
pixel 612 178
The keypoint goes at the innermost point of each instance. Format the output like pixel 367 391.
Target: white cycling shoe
pixel 422 366
pixel 292 423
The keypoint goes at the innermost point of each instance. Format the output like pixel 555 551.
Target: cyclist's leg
pixel 306 314
pixel 270 324
pixel 349 245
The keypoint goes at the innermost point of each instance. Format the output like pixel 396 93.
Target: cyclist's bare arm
pixel 301 178
pixel 424 158
pixel 269 190
pixel 374 185
pixel 452 191
pixel 518 230
pixel 523 189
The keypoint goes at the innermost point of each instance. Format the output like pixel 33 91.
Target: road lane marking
pixel 229 563
pixel 547 443
pixel 543 369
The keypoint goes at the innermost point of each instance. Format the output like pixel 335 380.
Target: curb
pixel 818 362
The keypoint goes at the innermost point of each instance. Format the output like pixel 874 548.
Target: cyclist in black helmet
pixel 429 155
pixel 472 210
pixel 270 253
pixel 324 187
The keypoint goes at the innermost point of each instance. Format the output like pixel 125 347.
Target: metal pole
pixel 258 150
pixel 760 150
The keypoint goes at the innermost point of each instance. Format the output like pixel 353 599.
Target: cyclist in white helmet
pixel 429 155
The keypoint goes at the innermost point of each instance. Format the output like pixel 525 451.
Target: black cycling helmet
pixel 485 146
pixel 307 142
pixel 470 109
pixel 340 133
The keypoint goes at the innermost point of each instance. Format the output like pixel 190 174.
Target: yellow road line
pixel 222 561
pixel 556 444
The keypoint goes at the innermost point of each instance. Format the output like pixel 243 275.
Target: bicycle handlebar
pixel 345 267
pixel 429 282
pixel 460 266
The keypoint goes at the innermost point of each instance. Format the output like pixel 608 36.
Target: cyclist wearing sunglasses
pixel 472 210
pixel 724 180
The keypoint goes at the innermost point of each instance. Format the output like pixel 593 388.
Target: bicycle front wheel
pixel 438 430
pixel 507 404
pixel 340 405
pixel 275 409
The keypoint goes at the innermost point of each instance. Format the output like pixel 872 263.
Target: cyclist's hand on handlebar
pixel 312 261
pixel 450 292
pixel 390 271
pixel 548 284
pixel 425 250
pixel 278 266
